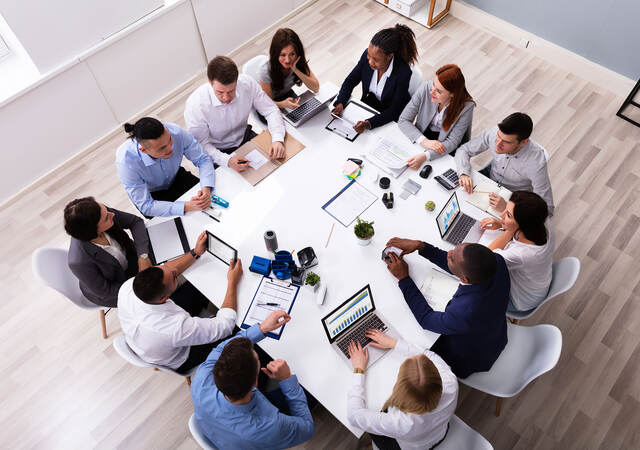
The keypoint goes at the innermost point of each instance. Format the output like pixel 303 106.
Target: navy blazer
pixel 99 273
pixel 473 326
pixel 395 94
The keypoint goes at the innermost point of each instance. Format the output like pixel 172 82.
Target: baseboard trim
pixel 560 56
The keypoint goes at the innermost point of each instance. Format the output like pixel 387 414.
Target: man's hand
pixel 236 163
pixel 274 320
pixel 380 339
pixel 406 245
pixel 291 103
pixel 201 244
pixel 434 145
pixel 235 272
pixel 143 263
pixel 497 202
pixel 202 200
pixel 277 370
pixel 398 266
pixel 362 125
pixel 277 150
pixel 489 223
pixel 416 161
pixel 359 356
pixel 338 109
pixel 466 182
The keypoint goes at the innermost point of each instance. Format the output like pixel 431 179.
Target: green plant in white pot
pixel 364 231
pixel 312 281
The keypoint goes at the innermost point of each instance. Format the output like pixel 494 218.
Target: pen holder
pixel 270 240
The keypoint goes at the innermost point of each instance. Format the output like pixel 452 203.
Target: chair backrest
pixel 51 268
pixel 199 437
pixel 123 349
pixel 252 67
pixel 462 436
pixel 416 79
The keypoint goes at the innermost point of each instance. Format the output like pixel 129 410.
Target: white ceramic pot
pixel 364 242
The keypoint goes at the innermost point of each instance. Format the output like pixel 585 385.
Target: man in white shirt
pixel 157 317
pixel 217 112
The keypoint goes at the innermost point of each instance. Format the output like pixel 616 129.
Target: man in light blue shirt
pixel 232 412
pixel 148 165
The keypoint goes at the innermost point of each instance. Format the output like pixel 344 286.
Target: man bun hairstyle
pixel 399 40
pixel 517 123
pixel 144 129
pixel 148 285
pixel 530 211
pixel 81 217
pixel 223 70
pixel 479 263
pixel 236 370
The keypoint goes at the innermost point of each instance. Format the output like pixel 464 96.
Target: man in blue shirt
pixel 148 165
pixel 229 408
pixel 473 326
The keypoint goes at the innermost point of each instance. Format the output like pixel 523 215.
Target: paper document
pixel 480 197
pixel 391 154
pixel 272 295
pixel 349 203
pixel 438 288
pixel 354 113
pixel 256 159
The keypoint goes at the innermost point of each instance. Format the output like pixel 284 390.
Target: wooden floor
pixel 63 386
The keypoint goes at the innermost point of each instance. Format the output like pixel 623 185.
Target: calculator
pixel 448 180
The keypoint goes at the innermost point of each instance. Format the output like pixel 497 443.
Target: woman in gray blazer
pixel 443 111
pixel 101 254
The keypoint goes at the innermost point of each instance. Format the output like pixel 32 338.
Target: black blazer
pixel 395 94
pixel 99 273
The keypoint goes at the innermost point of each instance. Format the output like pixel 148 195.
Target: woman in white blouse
pixel 416 414
pixel 527 245
pixel 442 110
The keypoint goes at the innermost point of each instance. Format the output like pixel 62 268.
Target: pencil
pixel 482 192
pixel 330 232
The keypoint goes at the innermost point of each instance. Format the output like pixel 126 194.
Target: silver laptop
pixel 349 321
pixel 310 104
pixel 455 226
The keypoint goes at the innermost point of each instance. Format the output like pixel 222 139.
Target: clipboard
pixel 346 205
pixel 343 126
pixel 283 292
pixel 261 144
pixel 166 239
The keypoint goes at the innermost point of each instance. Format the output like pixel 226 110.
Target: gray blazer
pixel 99 273
pixel 422 107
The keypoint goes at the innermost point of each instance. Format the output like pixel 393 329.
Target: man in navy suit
pixel 473 326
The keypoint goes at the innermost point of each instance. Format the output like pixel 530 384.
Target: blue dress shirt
pixel 141 174
pixel 255 425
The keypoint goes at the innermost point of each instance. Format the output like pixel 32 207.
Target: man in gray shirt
pixel 519 163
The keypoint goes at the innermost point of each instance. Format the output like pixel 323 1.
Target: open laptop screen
pixel 448 214
pixel 340 319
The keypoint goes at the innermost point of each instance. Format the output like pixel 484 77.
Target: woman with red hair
pixel 443 112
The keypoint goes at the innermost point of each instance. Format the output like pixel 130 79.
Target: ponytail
pixel 399 40
pixel 145 128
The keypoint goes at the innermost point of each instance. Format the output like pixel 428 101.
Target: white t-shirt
pixel 530 270
pixel 115 250
pixel 265 76
pixel 436 122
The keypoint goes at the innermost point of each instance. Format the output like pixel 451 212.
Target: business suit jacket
pixel 473 326
pixel 395 94
pixel 422 109
pixel 99 273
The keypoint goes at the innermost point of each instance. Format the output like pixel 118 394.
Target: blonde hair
pixel 418 388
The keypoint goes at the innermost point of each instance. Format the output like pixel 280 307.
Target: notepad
pixel 481 199
pixel 438 288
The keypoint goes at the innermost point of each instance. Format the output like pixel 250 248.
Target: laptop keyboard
pixel 304 109
pixel 460 229
pixel 357 333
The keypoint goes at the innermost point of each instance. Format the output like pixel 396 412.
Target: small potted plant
pixel 313 281
pixel 364 231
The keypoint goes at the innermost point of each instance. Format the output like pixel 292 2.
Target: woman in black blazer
pixel 391 49
pixel 101 254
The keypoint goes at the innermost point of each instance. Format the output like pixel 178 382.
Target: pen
pixel 204 212
pixel 269 304
pixel 335 116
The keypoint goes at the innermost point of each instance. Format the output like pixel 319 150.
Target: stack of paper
pixel 438 288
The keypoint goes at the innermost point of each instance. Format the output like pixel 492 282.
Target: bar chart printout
pixel 340 320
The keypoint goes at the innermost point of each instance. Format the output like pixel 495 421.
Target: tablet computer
pixel 220 249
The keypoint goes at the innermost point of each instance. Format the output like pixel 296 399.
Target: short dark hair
pixel 517 123
pixel 222 69
pixel 530 211
pixel 478 263
pixel 148 285
pixel 236 369
pixel 144 129
pixel 81 217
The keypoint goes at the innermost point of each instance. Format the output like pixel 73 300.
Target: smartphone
pixel 386 251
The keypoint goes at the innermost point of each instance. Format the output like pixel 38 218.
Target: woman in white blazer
pixel 443 112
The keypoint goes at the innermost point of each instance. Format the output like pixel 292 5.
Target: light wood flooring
pixel 64 387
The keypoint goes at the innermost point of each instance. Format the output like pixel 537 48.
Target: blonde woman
pixel 416 414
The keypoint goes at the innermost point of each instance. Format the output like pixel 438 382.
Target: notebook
pixel 480 197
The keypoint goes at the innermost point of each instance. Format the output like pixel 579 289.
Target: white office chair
pixel 50 267
pixel 252 68
pixel 123 349
pixel 199 437
pixel 462 436
pixel 416 79
pixel 530 352
pixel 565 272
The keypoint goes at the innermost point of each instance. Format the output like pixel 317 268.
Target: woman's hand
pixel 291 103
pixel 416 161
pixel 436 146
pixel 380 339
pixel 490 223
pixel 338 109
pixel 359 356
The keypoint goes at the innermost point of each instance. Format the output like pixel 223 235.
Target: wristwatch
pixel 194 254
pixel 144 256
pixel 356 370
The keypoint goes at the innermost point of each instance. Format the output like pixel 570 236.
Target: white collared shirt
pixel 376 87
pixel 115 250
pixel 162 334
pixel 412 431
pixel 218 125
pixel 436 122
